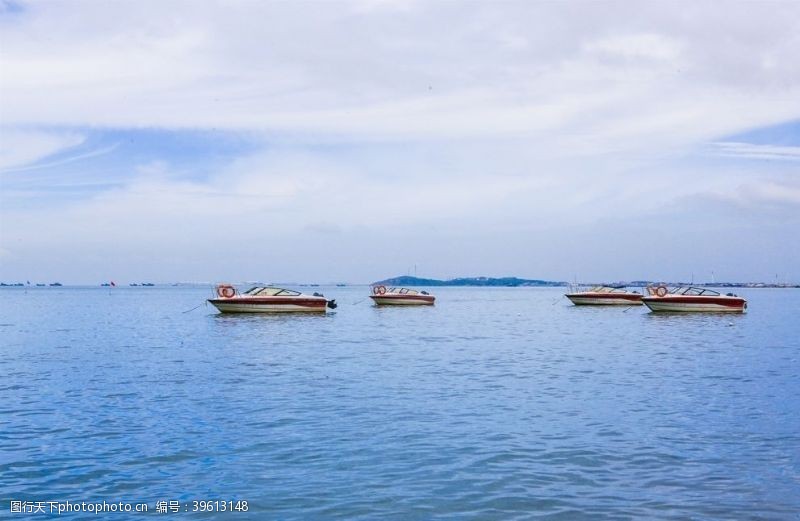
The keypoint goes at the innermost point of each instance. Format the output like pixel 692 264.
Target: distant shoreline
pixel 515 282
pixel 501 282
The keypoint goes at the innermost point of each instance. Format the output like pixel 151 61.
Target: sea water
pixel 494 404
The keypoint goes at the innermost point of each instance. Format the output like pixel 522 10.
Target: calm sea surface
pixel 495 404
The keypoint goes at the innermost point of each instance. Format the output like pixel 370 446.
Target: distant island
pixel 508 282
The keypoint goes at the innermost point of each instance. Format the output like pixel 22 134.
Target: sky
pixel 352 141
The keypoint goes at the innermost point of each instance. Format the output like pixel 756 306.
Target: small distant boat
pixel 40 285
pixel 54 284
pixel 401 297
pixel 268 299
pixel 605 296
pixel 690 298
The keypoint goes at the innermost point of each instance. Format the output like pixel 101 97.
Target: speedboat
pixel 401 297
pixel 690 298
pixel 605 296
pixel 268 299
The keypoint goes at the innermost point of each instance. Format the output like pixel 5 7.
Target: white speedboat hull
pixel 586 300
pixel 243 304
pixel 667 304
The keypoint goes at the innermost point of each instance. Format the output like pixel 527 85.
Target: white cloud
pixel 757 151
pixel 501 120
pixel 638 46
pixel 422 71
pixel 22 147
pixel 775 192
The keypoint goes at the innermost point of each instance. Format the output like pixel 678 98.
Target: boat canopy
pixel 262 291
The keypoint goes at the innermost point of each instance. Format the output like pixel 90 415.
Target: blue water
pixel 494 404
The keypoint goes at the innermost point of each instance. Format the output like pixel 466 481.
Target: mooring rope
pixel 197 306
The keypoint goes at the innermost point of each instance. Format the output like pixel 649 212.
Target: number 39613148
pixel 219 506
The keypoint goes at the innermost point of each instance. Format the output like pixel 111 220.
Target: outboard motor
pixel 332 304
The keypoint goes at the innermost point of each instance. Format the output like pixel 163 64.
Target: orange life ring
pixel 379 290
pixel 661 291
pixel 225 291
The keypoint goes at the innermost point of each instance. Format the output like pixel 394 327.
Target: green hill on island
pixel 512 282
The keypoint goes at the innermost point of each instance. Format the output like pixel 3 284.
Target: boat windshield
pixel 607 289
pixel 693 291
pixel 261 291
pixel 653 290
pixel 403 291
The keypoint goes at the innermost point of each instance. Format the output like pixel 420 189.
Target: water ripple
pixel 495 404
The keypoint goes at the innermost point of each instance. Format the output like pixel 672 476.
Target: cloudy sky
pixel 350 141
